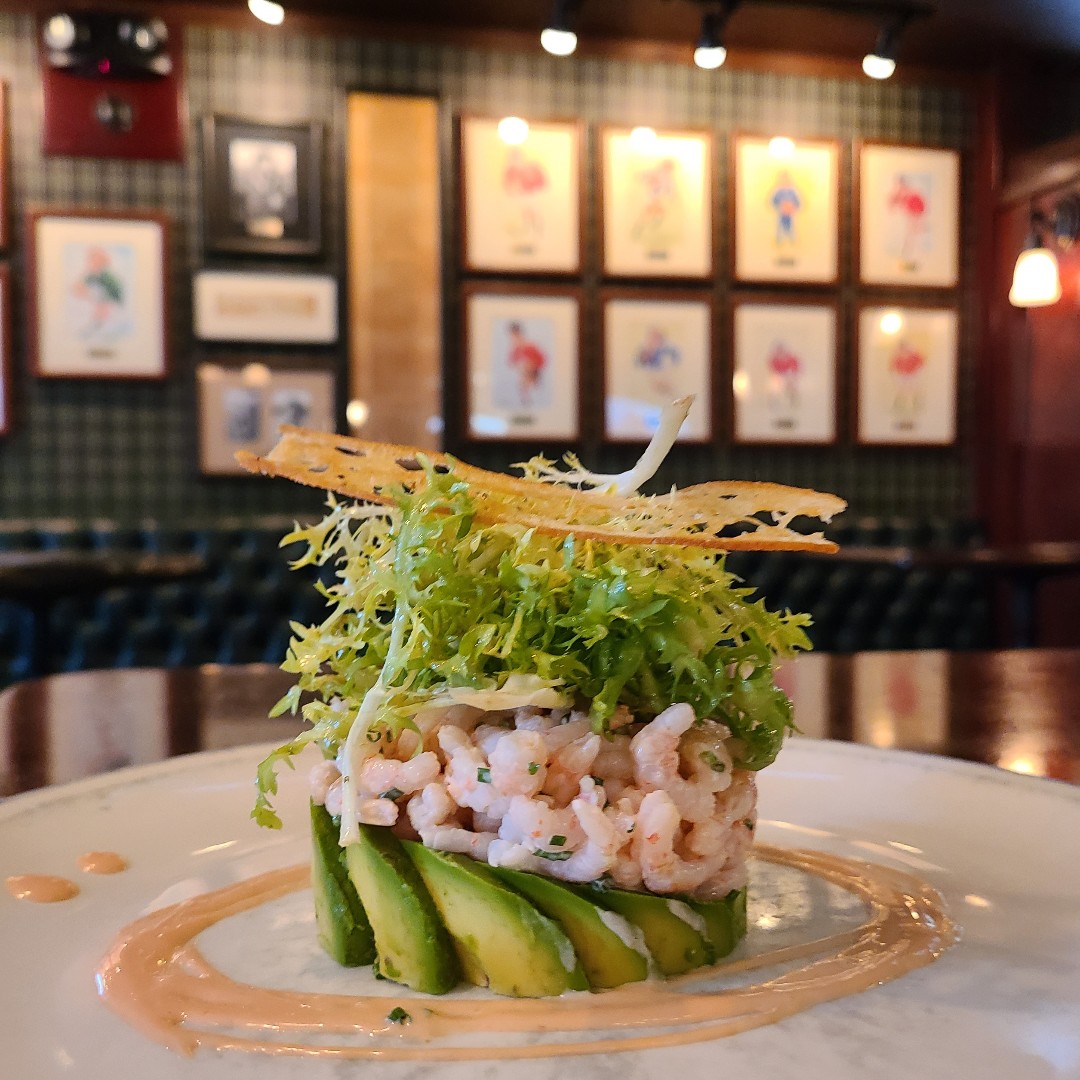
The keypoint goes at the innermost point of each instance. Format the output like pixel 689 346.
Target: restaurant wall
pixel 93 449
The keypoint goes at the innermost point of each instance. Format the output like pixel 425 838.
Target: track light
pixel 881 63
pixel 1036 282
pixel 267 11
pixel 710 52
pixel 557 37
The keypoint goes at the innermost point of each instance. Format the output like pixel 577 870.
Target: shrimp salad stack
pixel 541 703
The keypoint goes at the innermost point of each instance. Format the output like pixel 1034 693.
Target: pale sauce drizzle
pixel 41 888
pixel 160 983
pixel 102 862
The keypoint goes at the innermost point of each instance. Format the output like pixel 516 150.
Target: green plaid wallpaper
pixel 128 451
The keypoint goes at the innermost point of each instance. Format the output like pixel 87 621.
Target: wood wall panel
pixel 395 356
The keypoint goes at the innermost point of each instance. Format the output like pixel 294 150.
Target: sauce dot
pixel 102 862
pixel 41 888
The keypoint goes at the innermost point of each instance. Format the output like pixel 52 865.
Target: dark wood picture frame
pixel 837 149
pixel 901 304
pixel 788 300
pixel 859 149
pixel 526 290
pixel 469 264
pixel 704 297
pixel 710 204
pixel 6 323
pixel 256 221
pixel 40 365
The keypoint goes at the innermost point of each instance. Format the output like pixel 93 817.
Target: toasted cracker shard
pixel 690 517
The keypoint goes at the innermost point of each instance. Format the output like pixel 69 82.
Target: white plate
pixel 1004 850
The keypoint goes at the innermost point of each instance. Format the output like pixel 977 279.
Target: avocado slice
pixel 411 943
pixel 600 937
pixel 507 942
pixel 675 933
pixel 725 921
pixel 342 924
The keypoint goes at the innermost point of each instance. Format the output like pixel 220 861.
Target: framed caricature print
pixel 98 297
pixel 909 216
pixel 521 355
pixel 656 203
pixel 786 210
pixel 906 381
pixel 784 360
pixel 656 349
pixel 520 195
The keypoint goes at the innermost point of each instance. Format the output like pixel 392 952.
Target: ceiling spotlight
pixel 557 37
pixel 781 148
pixel 881 63
pixel 60 32
pixel 710 52
pixel 267 11
pixel 644 139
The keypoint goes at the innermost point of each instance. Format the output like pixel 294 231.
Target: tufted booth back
pixel 240 612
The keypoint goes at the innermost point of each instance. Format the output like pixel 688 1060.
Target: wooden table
pixel 1015 709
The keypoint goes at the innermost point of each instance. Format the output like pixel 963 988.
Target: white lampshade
pixel 268 11
pixel 1036 282
pixel 878 67
pixel 710 57
pixel 558 41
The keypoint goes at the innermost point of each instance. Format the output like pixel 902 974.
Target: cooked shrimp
pixel 575 728
pixel 614 760
pixel 596 856
pixel 377 812
pixel 656 763
pixel 432 807
pixel 487 737
pixel 653 845
pixel 466 769
pixel 518 763
pixel 533 823
pixel 529 718
pixel 319 780
pixel 568 765
pixel 379 775
pixel 461 841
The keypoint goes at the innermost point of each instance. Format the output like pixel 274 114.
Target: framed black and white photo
pixel 262 187
pixel 244 407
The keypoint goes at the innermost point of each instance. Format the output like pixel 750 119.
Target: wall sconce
pixel 1036 281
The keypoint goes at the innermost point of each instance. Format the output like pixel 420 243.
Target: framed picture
pixel 521 350
pixel 520 199
pixel 784 361
pixel 262 187
pixel 656 349
pixel 786 210
pixel 5 349
pixel 98 294
pixel 266 307
pixel 909 215
pixel 656 198
pixel 906 375
pixel 243 408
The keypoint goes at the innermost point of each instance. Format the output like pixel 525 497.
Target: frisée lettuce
pixel 429 607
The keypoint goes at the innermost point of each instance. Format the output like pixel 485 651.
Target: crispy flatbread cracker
pixel 691 517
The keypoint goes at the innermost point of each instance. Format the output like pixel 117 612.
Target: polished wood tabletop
pixel 1014 709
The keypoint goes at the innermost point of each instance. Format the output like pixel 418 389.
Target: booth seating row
pixel 240 610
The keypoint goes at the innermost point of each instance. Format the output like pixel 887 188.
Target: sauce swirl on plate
pixel 154 975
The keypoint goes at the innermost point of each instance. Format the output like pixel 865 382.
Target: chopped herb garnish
pixel 552 856
pixel 557 841
pixel 392 793
pixel 533 768
pixel 374 735
pixel 398 1016
pixel 602 883
pixel 749 824
pixel 483 775
pixel 630 828
pixel 713 761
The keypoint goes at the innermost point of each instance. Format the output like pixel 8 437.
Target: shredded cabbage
pixel 431 607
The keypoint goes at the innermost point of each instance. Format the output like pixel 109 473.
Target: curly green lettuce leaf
pixel 476 607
